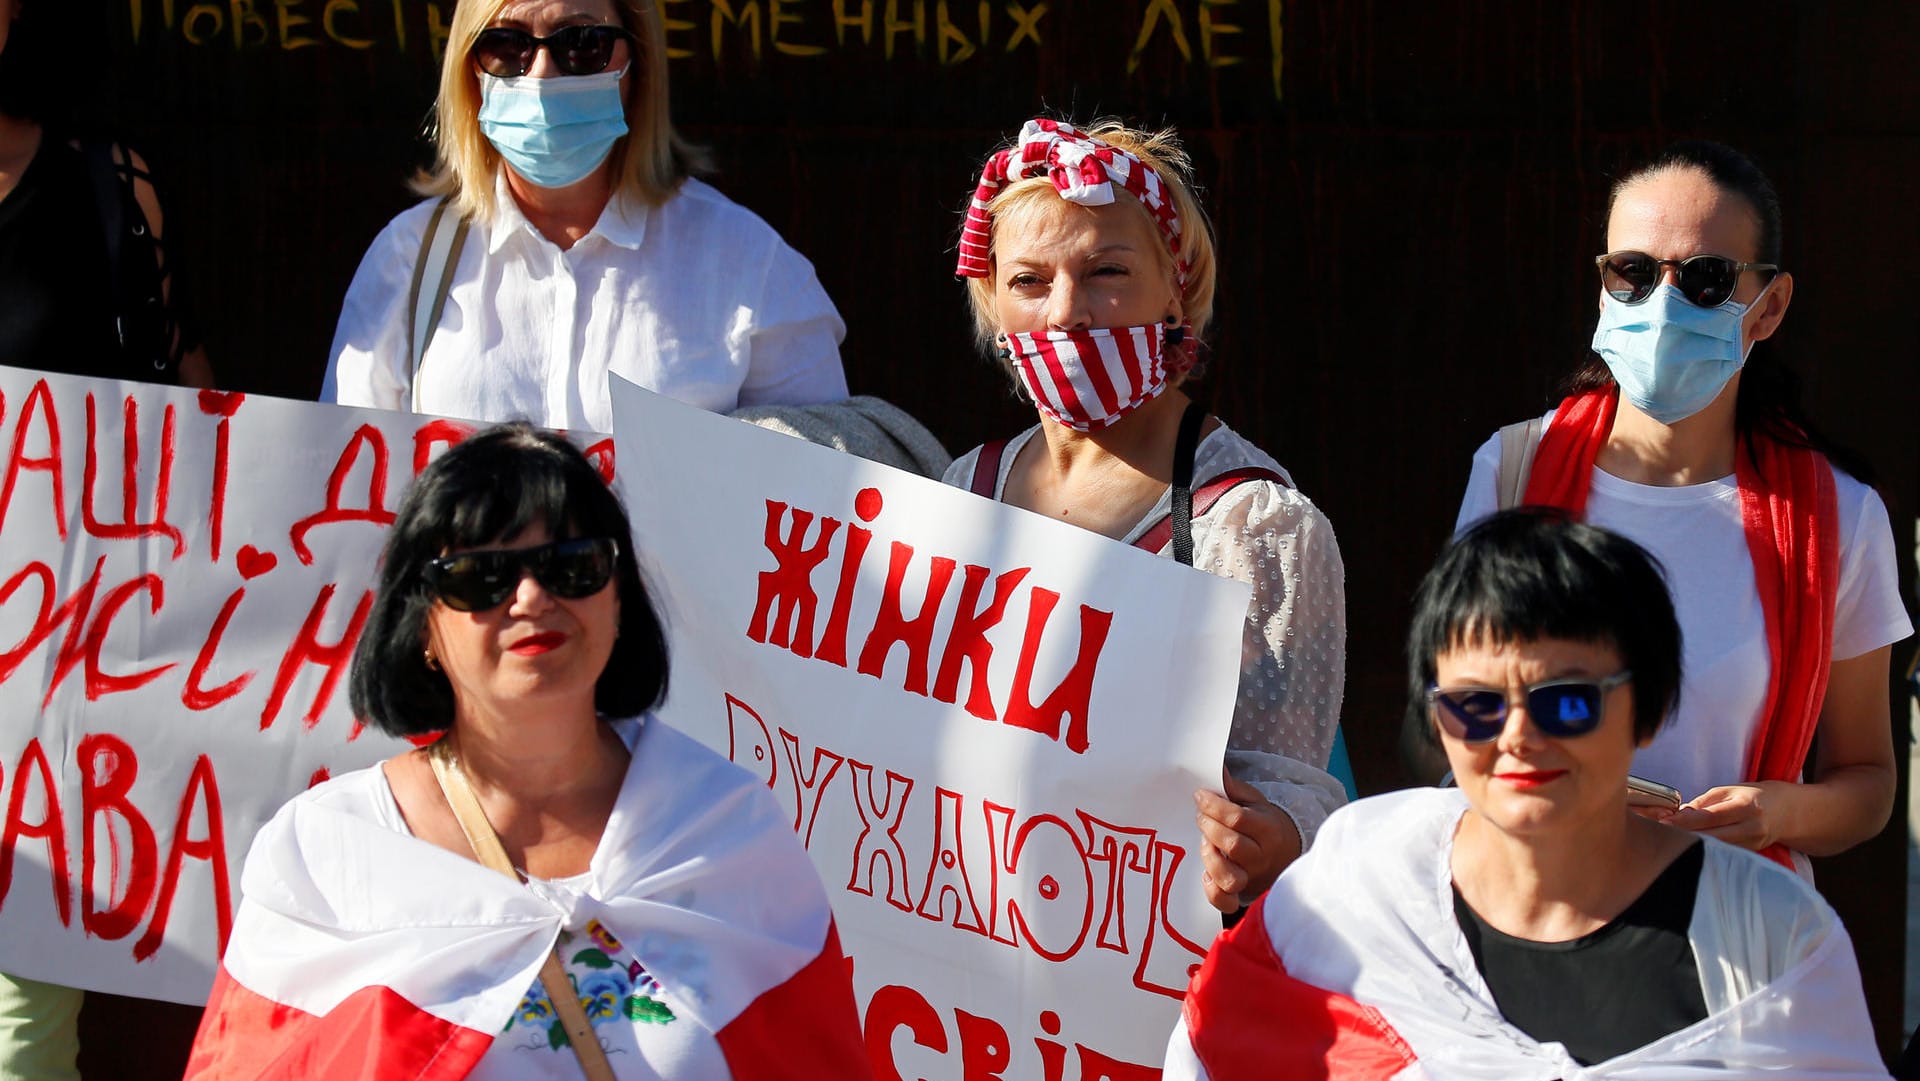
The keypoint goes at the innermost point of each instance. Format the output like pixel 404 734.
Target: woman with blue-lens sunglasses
pixel 1528 924
pixel 1684 432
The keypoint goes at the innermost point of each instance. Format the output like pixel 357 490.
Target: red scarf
pixel 1788 508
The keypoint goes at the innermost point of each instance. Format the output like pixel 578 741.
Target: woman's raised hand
pixel 1247 843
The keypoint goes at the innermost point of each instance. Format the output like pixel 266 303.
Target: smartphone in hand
pixel 1644 793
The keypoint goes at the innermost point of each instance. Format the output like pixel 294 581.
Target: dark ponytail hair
pixel 1769 402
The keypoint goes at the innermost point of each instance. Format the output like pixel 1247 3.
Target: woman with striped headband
pixel 1091 273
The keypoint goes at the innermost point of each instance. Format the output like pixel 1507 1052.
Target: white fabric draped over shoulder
pixel 1368 915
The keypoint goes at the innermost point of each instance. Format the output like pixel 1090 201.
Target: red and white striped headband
pixel 1083 170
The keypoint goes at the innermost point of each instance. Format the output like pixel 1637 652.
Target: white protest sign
pixel 988 726
pixel 182 578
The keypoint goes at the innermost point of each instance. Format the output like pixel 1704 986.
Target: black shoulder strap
pixel 1184 446
pixel 106 197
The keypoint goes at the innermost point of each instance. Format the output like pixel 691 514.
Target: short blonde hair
pixel 648 163
pixel 1160 150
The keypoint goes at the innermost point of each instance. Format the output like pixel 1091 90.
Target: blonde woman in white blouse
pixel 1092 273
pixel 590 250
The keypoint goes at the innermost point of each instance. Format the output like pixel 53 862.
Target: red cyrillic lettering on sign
pixel 891 855
pixel 1074 694
pixel 1128 852
pixel 812 781
pixel 833 643
pixel 891 625
pixel 601 455
pixel 194 695
pixel 108 768
pixel 947 869
pixel 789 584
pixel 51 828
pixel 967 640
pixel 129 527
pixel 434 436
pixel 1056 888
pixel 365 438
pixel 895 1007
pixel 1170 954
pixel 222 404
pixel 73 612
pixel 984 1047
pixel 204 790
pixel 308 649
pixel 39 403
pixel 100 682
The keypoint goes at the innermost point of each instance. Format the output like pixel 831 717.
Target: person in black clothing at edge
pixel 84 267
pixel 85 289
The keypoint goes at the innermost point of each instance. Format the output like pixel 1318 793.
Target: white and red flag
pixel 362 952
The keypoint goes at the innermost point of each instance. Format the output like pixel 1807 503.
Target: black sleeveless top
pixel 1606 993
pixel 58 309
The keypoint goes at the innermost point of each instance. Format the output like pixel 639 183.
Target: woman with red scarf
pixel 1779 556
pixel 1090 269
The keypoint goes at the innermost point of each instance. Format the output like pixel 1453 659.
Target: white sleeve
pixel 959 472
pixel 1182 1064
pixel 1293 650
pixel 1867 612
pixel 1482 496
pixel 792 336
pixel 370 363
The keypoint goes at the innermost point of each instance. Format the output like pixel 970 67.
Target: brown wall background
pixel 1408 196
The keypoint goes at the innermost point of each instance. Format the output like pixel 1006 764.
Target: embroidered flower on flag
pixel 603 994
pixel 604 938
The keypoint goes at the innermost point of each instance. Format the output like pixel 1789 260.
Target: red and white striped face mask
pixel 1088 379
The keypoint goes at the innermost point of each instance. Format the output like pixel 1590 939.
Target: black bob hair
pixel 1534 573
pixel 483 491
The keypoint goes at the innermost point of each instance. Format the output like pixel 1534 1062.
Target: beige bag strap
pixel 486 845
pixel 1518 441
pixel 427 291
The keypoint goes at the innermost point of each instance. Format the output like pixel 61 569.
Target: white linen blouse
pixel 697 299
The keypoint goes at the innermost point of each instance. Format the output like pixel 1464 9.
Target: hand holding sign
pixel 1249 841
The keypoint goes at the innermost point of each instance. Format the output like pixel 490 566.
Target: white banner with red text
pixel 988 726
pixel 183 576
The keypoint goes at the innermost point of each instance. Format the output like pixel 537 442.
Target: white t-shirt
pixel 1696 533
pixel 1293 647
pixel 697 299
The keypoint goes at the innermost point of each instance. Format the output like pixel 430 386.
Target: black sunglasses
pixel 576 50
pixel 477 581
pixel 1707 281
pixel 1558 707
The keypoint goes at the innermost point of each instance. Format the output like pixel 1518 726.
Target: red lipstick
pixel 1530 778
pixel 535 644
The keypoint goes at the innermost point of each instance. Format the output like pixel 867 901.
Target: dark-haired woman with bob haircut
pixel 1528 925
pixel 555 884
pixel 1779 553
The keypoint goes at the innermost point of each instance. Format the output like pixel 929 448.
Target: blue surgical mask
pixel 554 132
pixel 1671 357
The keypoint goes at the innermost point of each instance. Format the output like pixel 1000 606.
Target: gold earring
pixel 433 664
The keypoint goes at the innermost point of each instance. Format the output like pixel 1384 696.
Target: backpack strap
pixel 1518 441
pixel 439 255
pixel 986 468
